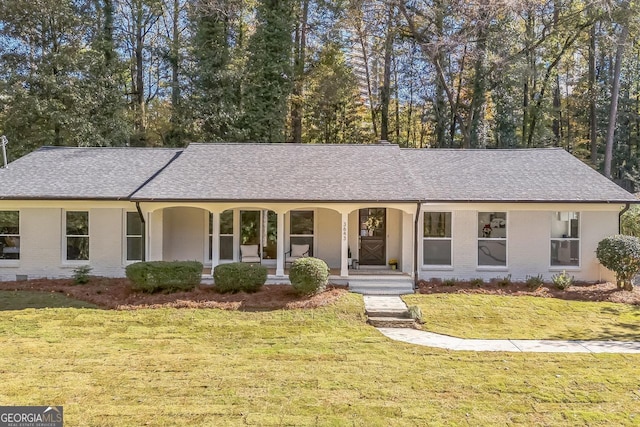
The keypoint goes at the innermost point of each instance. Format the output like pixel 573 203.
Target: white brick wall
pixel 180 234
pixel 42 240
pixel 528 241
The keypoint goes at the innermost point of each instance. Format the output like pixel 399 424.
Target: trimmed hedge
pixel 309 275
pixel 164 276
pixel 620 254
pixel 239 277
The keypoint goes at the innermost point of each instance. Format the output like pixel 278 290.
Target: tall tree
pixel 55 76
pixel 219 39
pixel 268 75
pixel 615 87
pixel 138 27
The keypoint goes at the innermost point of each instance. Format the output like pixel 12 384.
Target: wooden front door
pixel 373 236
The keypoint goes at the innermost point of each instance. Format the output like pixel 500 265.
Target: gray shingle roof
pixel 301 172
pixel 537 175
pixel 245 171
pixel 81 173
pixel 377 172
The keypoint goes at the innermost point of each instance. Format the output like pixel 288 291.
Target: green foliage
pixel 450 281
pixel 630 222
pixel 415 312
pixel 164 276
pixel 67 95
pixel 562 280
pixel 219 50
pixel 534 282
pixel 503 281
pixel 268 72
pixel 478 282
pixel 620 254
pixel 81 274
pixel 332 113
pixel 239 277
pixel 309 275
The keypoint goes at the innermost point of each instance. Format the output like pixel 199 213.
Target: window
pixel 77 236
pixel 226 235
pixel 301 231
pixel 9 235
pixel 565 239
pixel 492 239
pixel 134 237
pixel 436 243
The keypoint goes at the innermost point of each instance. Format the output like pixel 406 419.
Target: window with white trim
pixel 226 235
pixel 492 239
pixel 77 235
pixel 9 235
pixel 436 242
pixel 301 229
pixel 565 239
pixel 134 228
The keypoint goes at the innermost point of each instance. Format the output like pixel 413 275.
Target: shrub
pixel 620 254
pixel 81 274
pixel 534 282
pixel 562 280
pixel 164 276
pixel 239 277
pixel 477 282
pixel 309 275
pixel 504 281
pixel 415 313
pixel 450 282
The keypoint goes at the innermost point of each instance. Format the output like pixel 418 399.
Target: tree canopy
pixel 434 73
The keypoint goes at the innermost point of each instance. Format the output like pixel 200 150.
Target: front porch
pixel 343 235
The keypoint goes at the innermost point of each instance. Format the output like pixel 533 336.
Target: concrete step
pixel 391 322
pixel 380 279
pixel 403 313
pixel 381 290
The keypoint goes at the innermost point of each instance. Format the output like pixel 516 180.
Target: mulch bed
pixel 117 294
pixel 578 292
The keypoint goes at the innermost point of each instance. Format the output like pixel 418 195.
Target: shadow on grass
pixel 20 300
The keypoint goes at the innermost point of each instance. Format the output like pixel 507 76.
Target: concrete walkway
pixel 430 339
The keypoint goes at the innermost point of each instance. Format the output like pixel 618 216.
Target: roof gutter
pixel 144 232
pixel 626 208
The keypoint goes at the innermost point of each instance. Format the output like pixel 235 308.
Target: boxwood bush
pixel 620 254
pixel 239 277
pixel 309 275
pixel 164 276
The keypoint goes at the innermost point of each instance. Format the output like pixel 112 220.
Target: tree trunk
pixel 175 76
pixel 140 120
pixel 593 125
pixel 385 95
pixel 615 92
pixel 298 71
pixel 556 124
pixel 367 73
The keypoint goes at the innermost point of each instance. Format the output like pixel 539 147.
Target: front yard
pixel 321 366
pixel 526 317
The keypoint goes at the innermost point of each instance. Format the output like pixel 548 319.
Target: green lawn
pixel 18 300
pixel 522 317
pixel 294 368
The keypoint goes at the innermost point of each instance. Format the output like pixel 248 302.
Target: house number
pixel 344 231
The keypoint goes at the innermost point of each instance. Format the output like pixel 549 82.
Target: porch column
pixel 280 245
pixel 215 239
pixel 344 252
pixel 155 228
